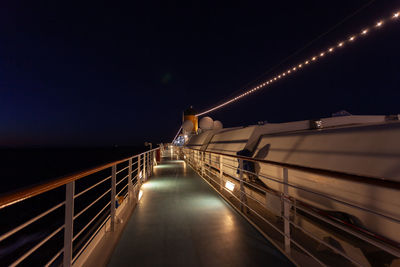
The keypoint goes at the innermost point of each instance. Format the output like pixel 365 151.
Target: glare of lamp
pixel 140 194
pixel 230 186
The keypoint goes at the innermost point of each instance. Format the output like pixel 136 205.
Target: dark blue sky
pixel 109 72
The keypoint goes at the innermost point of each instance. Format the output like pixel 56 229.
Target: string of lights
pixel 308 61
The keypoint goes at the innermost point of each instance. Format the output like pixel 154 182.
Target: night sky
pixel 122 73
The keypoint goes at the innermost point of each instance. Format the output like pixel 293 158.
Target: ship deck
pixel 182 221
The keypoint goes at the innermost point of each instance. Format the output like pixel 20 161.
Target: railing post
pixel 138 169
pixel 286 209
pixel 242 192
pixel 221 173
pixel 130 184
pixel 69 223
pixel 202 163
pixel 113 192
pixel 148 166
pixel 144 168
pixel 151 163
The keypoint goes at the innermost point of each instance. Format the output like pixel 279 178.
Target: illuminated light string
pixel 378 25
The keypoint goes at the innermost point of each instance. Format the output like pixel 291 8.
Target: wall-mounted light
pixel 229 185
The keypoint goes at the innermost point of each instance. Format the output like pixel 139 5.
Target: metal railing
pixel 79 223
pixel 225 173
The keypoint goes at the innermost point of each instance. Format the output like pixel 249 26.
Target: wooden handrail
pixel 8 199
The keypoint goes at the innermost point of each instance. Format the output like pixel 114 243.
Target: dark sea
pixel 24 167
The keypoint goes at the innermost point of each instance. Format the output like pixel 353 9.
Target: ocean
pixel 24 167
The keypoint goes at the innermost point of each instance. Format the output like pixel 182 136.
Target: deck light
pixel 230 186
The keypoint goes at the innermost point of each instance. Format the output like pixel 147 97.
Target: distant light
pixel 294 68
pixel 396 15
pixel 322 54
pixel 314 58
pixel 300 65
pixel 140 194
pixel 364 31
pixel 352 38
pixel 230 186
pixel 331 49
pixel 306 62
pixel 289 71
pixel 379 23
pixel 284 74
pixel 340 44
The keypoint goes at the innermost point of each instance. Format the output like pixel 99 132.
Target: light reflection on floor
pixel 181 221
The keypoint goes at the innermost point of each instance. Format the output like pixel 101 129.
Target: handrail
pixel 22 194
pixel 145 161
pixel 388 183
pixel 202 162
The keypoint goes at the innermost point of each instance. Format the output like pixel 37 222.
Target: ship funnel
pixel 190 122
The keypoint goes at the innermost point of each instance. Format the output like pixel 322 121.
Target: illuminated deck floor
pixel 181 221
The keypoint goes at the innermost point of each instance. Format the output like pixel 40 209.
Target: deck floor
pixel 182 221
